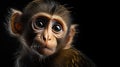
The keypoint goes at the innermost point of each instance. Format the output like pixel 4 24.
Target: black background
pixel 91 39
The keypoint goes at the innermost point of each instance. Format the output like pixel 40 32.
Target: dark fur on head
pixel 47 6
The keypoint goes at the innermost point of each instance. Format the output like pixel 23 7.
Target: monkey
pixel 46 33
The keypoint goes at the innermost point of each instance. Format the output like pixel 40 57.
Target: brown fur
pixel 64 56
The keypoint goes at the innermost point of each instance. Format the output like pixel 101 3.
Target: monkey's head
pixel 44 26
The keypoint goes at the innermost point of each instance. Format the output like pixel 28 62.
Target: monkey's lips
pixel 44 50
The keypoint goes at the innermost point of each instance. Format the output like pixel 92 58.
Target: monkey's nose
pixel 46 38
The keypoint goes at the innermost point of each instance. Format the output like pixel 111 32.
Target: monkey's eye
pixel 41 22
pixel 57 27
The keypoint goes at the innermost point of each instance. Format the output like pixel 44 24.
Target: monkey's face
pixel 48 30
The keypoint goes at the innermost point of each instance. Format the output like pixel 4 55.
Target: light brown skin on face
pixel 45 37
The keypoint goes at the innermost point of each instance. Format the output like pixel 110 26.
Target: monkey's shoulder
pixel 73 58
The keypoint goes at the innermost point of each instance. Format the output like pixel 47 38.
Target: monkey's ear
pixel 15 23
pixel 71 36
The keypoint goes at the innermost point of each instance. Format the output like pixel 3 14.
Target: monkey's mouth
pixel 37 46
pixel 39 49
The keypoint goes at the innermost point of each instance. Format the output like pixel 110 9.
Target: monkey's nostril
pixel 44 38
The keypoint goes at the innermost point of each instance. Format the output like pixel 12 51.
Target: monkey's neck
pixel 64 58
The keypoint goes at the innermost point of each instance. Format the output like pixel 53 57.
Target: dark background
pixel 90 39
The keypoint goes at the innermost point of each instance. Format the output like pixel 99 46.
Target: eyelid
pixel 34 27
pixel 55 21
